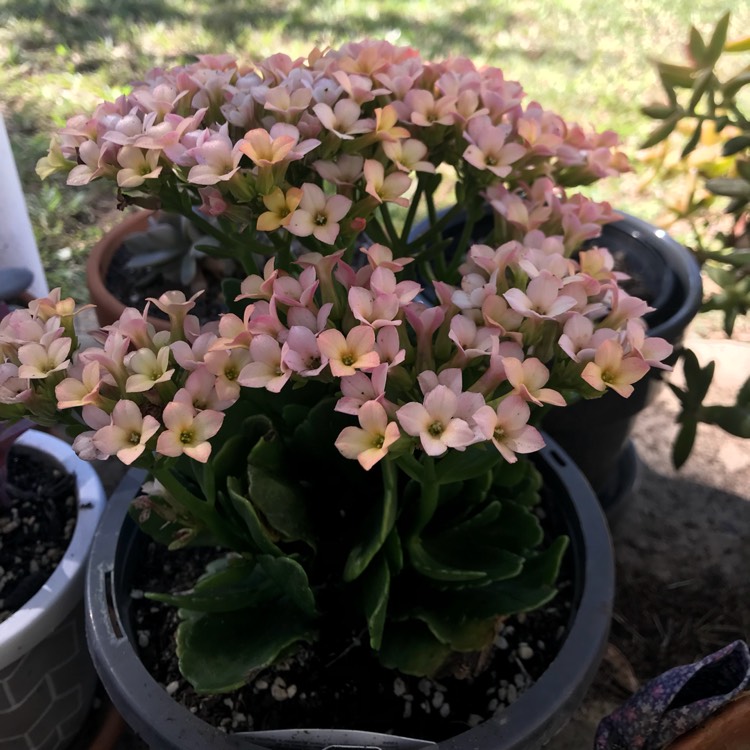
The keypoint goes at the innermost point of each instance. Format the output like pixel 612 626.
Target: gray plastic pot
pixel 527 724
pixel 46 677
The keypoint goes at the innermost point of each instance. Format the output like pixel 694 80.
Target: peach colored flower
pixel 347 355
pixel 188 432
pixel 508 428
pixel 369 442
pixel 128 433
pixel 611 369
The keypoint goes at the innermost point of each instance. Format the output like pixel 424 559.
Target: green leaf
pixel 658 111
pixel 376 583
pixel 734 188
pixel 473 462
pixel 290 579
pixel 530 589
pixel 693 140
pixel 683 444
pixel 220 652
pixel 411 648
pixel 282 503
pixel 718 39
pixel 699 89
pixel 376 527
pixel 743 167
pixel 675 75
pixel 696 45
pixel 260 535
pixel 231 457
pixel 394 552
pixel 237 584
pixel 731 87
pixel 659 133
pixel 231 290
pixel 459 632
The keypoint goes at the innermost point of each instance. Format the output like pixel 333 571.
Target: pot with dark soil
pixel 539 665
pixel 148 253
pixel 47 521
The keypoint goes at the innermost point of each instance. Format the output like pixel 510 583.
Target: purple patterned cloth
pixel 674 703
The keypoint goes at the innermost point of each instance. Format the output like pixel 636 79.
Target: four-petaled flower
pixel 127 435
pixel 369 442
pixel 434 422
pixel 188 431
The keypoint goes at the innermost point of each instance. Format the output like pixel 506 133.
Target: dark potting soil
pixel 37 526
pixel 133 286
pixel 339 683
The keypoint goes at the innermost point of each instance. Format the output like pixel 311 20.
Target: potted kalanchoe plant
pixel 350 430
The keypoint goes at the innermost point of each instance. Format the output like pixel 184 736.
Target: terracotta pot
pixel 108 307
pixel 729 729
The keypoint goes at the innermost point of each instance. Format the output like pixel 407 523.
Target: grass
pixel 586 59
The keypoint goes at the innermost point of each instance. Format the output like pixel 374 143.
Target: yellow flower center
pixel 348 360
pixel 186 437
pixel 436 429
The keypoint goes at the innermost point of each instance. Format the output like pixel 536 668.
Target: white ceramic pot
pixel 46 676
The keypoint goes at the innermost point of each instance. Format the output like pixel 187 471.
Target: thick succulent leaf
pixel 530 589
pixel 221 647
pixel 738 45
pixel 411 648
pixel 220 652
pixel 718 39
pixel 660 132
pixel 282 503
pixel 376 584
pixel 462 556
pixel 260 539
pixel 233 443
pixel 154 258
pixel 458 631
pixel 734 188
pixel 377 525
pixel 473 462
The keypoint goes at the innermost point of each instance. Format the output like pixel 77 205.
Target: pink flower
pixel 226 365
pixel 386 189
pixel 137 166
pixel 280 209
pixel 347 355
pixel 542 299
pixel 267 370
pixel 359 388
pixel 73 392
pixel 148 369
pixel 300 352
pixel 434 422
pixel 318 215
pixel 611 369
pixel 508 428
pixel 128 433
pixel 488 150
pixel 188 432
pixel 368 443
pixel 39 361
pixel 528 378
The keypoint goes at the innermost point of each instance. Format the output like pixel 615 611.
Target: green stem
pixel 411 214
pixel 428 498
pixel 394 240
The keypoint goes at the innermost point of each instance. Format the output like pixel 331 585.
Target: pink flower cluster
pixel 316 145
pixel 470 369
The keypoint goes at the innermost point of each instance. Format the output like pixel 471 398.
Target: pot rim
pixel 41 614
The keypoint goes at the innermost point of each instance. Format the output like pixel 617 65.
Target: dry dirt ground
pixel 682 548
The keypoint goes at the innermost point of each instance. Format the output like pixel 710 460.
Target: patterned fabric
pixel 677 701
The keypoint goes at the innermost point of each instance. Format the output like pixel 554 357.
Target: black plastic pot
pixel 596 433
pixel 527 724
